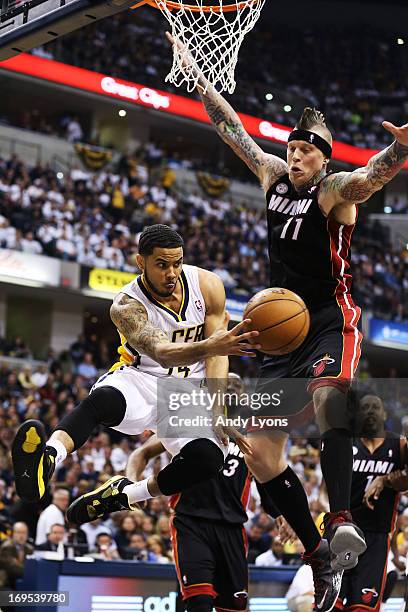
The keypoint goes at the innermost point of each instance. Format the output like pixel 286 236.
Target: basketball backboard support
pixel 25 24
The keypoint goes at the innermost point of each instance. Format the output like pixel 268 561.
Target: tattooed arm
pixel 130 317
pixel 358 186
pixel 268 168
pixel 265 166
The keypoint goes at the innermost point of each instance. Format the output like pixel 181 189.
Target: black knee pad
pixel 104 406
pixel 197 461
pixel 203 453
pixel 200 603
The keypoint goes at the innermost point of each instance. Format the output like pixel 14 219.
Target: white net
pixel 211 38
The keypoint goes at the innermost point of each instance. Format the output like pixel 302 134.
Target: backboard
pixel 25 24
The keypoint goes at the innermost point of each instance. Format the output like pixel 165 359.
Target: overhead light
pixel 287 108
pixel 60 175
pixel 387 209
pixel 122 113
pixel 400 41
pixel 269 96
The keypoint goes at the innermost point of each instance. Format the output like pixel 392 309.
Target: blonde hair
pixel 310 118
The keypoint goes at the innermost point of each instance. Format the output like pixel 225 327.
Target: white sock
pixel 137 491
pixel 61 451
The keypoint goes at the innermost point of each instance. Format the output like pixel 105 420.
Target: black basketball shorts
pixel 363 586
pixel 210 559
pixel 328 356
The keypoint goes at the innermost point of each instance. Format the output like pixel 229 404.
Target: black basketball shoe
pixel 107 498
pixel 346 540
pixel 327 582
pixel 33 462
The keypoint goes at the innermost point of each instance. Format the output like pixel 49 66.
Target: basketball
pixel 282 319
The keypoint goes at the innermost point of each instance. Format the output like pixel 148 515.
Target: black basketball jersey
pixel 222 498
pixel 366 467
pixel 309 253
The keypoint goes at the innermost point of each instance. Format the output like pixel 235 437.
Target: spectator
pixel 30 245
pixel 53 514
pixel 127 528
pixel 74 130
pixel 272 557
pixel 156 546
pixel 13 553
pixel 92 530
pixel 105 548
pixel 87 368
pixel 137 550
pixel 257 542
pixel 54 541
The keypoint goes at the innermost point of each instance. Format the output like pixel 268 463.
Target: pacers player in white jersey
pixel 172 322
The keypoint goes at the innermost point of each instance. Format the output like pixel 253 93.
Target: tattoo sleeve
pixel 130 317
pixel 229 127
pixel 359 185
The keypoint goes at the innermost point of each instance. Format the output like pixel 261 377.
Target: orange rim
pixel 194 8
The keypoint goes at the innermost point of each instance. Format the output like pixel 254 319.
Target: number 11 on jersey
pixel 298 223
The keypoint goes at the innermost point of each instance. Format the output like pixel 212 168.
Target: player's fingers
pixel 248 335
pixel 243 444
pixel 237 328
pixel 241 353
pixel 244 447
pixel 248 346
pixel 170 38
pixel 390 127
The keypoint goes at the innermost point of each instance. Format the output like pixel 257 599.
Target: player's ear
pixel 140 262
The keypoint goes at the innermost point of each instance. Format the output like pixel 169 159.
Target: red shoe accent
pixel 336 518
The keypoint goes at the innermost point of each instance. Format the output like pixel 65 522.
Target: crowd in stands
pixel 356 76
pixel 63 125
pixel 96 220
pixel 49 392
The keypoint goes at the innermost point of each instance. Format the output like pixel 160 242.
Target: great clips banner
pixel 102 84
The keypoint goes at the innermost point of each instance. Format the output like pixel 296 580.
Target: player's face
pixel 370 416
pixel 304 162
pixel 162 269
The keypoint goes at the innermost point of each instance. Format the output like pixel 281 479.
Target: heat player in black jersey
pixel 208 538
pixel 311 216
pixel 377 457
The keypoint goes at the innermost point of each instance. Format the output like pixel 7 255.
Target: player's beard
pixel 153 288
pixel 371 428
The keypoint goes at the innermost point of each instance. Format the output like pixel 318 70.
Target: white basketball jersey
pixel 185 326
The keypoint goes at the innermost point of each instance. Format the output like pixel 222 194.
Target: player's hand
pixel 286 533
pixel 400 133
pixel 188 63
pixel 225 432
pixel 233 342
pixel 398 480
pixel 373 492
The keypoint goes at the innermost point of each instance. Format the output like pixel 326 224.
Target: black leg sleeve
pixel 104 406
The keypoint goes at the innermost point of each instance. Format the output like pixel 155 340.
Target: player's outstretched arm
pixel 130 317
pixel 141 456
pixel 229 126
pixel 360 185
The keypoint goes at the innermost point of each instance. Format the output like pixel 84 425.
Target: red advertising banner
pixel 95 82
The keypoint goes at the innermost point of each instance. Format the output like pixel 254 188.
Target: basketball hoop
pixel 210 37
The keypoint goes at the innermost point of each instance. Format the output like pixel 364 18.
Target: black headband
pixel 313 139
